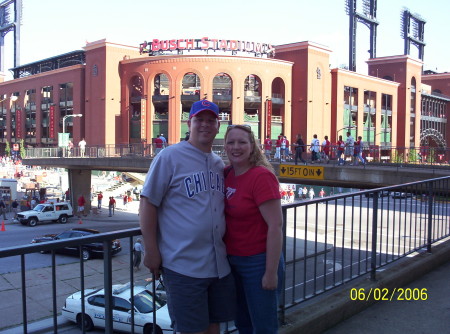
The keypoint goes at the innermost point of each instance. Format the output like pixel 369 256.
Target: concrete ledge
pixel 332 308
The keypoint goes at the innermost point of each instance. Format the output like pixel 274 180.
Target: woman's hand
pixel 269 281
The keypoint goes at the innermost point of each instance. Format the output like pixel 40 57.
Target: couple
pixel 183 226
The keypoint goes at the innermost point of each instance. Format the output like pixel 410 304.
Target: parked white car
pixel 46 212
pixel 143 310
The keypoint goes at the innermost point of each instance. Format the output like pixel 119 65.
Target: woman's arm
pixel 271 212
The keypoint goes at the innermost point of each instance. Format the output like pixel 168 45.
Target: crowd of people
pixel 350 150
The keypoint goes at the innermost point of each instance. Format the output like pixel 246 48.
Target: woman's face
pixel 238 147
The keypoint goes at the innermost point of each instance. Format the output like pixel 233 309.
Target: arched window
pixel 160 100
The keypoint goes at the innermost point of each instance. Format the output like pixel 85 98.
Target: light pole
pixel 345 127
pixel 64 121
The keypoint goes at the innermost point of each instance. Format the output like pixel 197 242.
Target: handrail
pixel 371 153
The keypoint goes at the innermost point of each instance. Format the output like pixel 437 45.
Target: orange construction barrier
pixel 3 226
pixel 80 222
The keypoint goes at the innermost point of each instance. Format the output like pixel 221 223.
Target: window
pixel 98 300
pixel 121 304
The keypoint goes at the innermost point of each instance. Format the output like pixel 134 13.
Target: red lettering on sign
pixel 155 45
pixel 173 44
pixel 205 42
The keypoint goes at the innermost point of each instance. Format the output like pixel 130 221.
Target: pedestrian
pixel 304 192
pixel 349 147
pixel 33 203
pixel 321 193
pixel 283 146
pixel 326 149
pixel 299 149
pixel 267 147
pixel 254 232
pixel 81 202
pixel 69 148
pixel 359 144
pixel 15 208
pixel 277 155
pixel 315 148
pixel 183 224
pixel 164 140
pixel 99 200
pixel 125 202
pixel 291 195
pixel 82 145
pixel 311 193
pixel 288 150
pixel 3 209
pixel 340 150
pixel 111 206
pixel 186 136
pixel 138 250
pixel 158 145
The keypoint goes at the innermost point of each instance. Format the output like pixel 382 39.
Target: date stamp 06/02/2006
pixel 385 294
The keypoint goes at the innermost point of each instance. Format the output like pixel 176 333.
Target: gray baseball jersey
pixel 186 185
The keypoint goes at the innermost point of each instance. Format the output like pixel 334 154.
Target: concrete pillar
pixel 80 184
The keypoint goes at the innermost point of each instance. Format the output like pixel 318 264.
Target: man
pixel 267 147
pixel 81 202
pixel 315 147
pixel 182 223
pixel 99 200
pixel 349 147
pixel 326 149
pixel 158 145
pixel 3 209
pixel 82 145
pixel 111 206
pixel 164 140
pixel 299 149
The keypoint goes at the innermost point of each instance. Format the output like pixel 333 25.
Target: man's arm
pixel 148 220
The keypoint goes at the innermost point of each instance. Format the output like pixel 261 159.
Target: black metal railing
pixel 327 241
pixel 332 240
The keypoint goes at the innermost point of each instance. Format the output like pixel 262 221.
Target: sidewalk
pixel 414 316
pixel 337 313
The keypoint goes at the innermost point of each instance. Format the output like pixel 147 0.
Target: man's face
pixel 203 128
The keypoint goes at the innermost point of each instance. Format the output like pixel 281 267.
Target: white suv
pixel 61 212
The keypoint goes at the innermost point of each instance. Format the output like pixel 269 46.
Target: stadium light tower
pixel 10 20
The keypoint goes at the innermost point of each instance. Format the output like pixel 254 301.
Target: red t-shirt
pixel 246 232
pixel 81 201
pixel 267 144
pixel 340 145
pixel 278 143
pixel 158 142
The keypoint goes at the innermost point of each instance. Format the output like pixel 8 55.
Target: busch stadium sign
pixel 205 44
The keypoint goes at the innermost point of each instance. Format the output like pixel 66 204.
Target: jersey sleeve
pixel 266 187
pixel 158 179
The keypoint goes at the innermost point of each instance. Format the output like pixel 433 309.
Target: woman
pixel 254 231
pixel 340 150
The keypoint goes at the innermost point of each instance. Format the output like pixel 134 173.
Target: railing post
pixel 373 260
pixel 107 265
pixel 430 216
pixel 282 301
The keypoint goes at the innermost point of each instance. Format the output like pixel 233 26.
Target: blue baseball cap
pixel 203 105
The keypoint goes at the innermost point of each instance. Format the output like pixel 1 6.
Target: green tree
pixel 22 149
pixel 7 149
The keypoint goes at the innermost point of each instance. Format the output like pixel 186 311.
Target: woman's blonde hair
pixel 257 158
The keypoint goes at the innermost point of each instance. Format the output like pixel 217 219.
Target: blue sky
pixel 52 27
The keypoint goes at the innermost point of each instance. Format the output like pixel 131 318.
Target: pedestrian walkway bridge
pixel 368 176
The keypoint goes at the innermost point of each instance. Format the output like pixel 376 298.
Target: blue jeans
pixel 257 309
